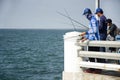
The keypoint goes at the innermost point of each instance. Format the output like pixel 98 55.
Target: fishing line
pixel 70 20
pixel 76 26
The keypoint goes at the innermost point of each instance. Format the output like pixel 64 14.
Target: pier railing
pixel 74 63
pixel 104 55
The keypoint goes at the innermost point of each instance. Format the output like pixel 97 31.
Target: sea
pixel 31 54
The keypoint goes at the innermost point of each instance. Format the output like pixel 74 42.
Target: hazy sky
pixel 42 13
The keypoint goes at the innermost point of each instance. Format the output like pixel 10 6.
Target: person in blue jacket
pixel 91 34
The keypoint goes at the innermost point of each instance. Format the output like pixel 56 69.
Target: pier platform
pixel 105 75
pixel 74 63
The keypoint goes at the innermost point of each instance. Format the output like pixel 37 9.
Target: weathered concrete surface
pixel 89 76
pixel 72 76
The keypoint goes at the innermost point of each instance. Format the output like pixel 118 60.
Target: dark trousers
pixel 103 37
pixel 93 59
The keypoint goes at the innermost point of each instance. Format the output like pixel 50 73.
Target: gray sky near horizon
pixel 43 13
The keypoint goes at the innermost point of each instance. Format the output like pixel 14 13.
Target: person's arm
pixel 101 24
pixel 86 36
pixel 84 39
pixel 111 29
pixel 83 33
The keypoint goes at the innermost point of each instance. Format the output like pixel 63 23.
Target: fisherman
pixel 91 34
pixel 111 32
pixel 102 24
pixel 102 29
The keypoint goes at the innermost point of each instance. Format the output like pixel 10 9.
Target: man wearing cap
pixel 91 34
pixel 102 24
pixel 102 29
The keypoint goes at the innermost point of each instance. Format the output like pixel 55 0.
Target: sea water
pixel 31 54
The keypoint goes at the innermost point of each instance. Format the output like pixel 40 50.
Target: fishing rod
pixel 76 26
pixel 72 19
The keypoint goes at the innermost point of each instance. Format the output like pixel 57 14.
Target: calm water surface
pixel 31 54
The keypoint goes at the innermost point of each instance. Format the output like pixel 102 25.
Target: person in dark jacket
pixel 102 24
pixel 102 29
pixel 111 32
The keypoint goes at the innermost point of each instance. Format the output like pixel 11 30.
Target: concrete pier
pixel 73 59
pixel 90 76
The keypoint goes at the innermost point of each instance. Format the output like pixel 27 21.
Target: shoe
pixel 97 71
pixel 88 71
